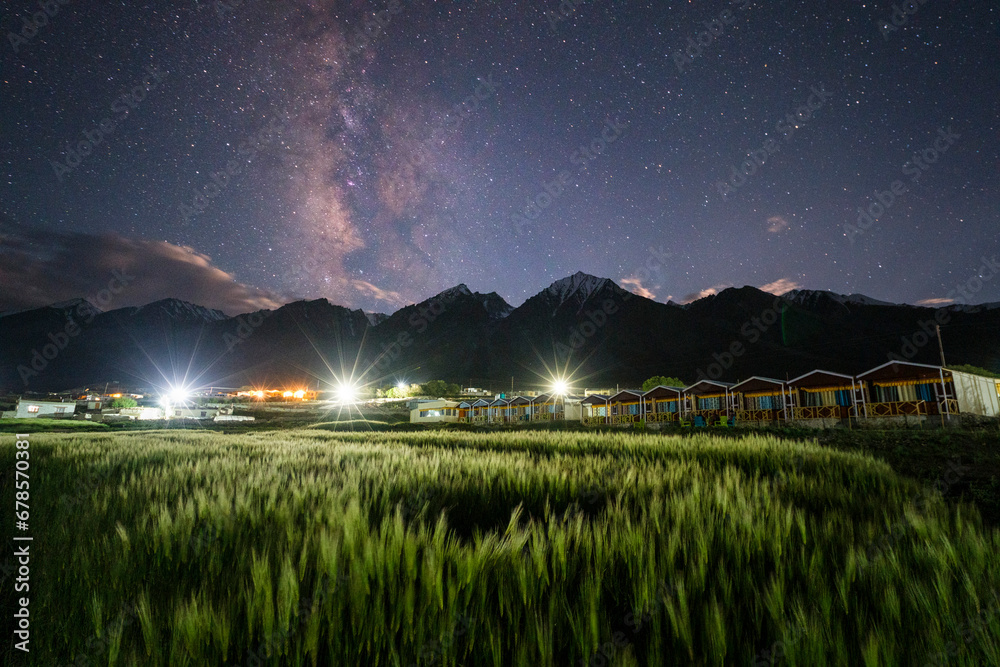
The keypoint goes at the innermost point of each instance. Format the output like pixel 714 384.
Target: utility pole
pixel 937 328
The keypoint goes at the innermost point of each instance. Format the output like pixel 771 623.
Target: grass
pixel 460 548
pixel 43 425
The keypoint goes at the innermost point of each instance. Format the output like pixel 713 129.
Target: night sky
pixel 244 154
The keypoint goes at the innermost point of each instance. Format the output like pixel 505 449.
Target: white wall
pixel 976 395
pixel 45 409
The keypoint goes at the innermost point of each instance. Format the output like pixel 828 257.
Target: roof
pixel 758 383
pixel 708 387
pixel 902 370
pixel 518 400
pixel 660 391
pixel 33 401
pixel 626 394
pixel 595 398
pixel 820 378
pixel 479 403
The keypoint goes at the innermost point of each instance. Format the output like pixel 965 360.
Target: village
pixel 894 392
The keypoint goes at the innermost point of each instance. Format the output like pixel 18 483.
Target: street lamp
pixel 346 392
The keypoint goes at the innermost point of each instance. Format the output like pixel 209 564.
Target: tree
pixel 658 380
pixel 123 402
pixel 440 388
pixel 434 388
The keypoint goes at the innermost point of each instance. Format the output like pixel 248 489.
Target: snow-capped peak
pixel 803 296
pixel 580 284
pixel 176 308
pixel 457 290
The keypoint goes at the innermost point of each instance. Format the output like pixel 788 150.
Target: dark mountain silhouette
pixel 586 327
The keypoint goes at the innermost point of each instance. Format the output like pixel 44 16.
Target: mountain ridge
pixel 584 325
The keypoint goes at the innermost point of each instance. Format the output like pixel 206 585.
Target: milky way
pixel 377 153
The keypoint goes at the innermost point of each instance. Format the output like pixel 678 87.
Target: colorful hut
pixel 760 399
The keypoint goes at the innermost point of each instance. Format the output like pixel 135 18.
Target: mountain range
pixel 582 326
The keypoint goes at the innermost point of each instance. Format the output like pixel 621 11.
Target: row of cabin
pixel 515 409
pixel 896 390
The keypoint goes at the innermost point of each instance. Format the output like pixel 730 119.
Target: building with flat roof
pixel 29 408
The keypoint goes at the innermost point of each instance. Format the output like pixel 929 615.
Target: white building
pixel 29 409
pixel 437 411
pixel 141 413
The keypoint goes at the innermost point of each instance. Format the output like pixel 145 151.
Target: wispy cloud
pixel 701 294
pixel 780 286
pixel 635 286
pixel 776 223
pixel 39 267
pixel 935 301
pixel 388 296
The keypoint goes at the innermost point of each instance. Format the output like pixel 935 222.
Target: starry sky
pixel 243 154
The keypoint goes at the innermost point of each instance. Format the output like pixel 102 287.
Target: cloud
pixel 39 267
pixel 365 287
pixel 776 224
pixel 635 286
pixel 937 301
pixel 780 286
pixel 701 294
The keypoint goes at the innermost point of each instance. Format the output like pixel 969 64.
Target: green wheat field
pixel 311 547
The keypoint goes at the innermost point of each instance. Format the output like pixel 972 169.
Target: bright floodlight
pixel 175 395
pixel 401 386
pixel 346 393
pixel 559 387
pixel 299 394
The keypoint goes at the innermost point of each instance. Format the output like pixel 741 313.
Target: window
pixel 32 409
pixel 204 414
pixel 61 410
